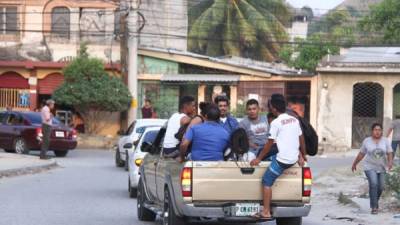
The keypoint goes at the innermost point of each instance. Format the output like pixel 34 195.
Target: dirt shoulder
pixel 341 197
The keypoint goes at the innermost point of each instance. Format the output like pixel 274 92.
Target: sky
pixel 318 6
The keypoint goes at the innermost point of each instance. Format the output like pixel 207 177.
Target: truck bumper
pixel 191 210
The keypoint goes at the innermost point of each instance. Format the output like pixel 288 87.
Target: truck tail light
pixel 307 181
pixel 186 181
pixel 39 134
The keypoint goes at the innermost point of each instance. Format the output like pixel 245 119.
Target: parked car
pixel 228 191
pixel 21 132
pixel 136 158
pixel 132 135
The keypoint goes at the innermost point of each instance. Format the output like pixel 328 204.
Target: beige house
pixel 356 89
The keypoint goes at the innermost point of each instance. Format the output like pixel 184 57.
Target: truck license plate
pixel 60 134
pixel 244 209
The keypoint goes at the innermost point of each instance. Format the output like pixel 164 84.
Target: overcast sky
pixel 318 6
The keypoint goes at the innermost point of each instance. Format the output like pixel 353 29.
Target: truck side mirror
pixel 128 145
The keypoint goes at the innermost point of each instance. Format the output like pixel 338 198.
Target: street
pixel 86 189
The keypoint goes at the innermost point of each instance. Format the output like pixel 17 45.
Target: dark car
pixel 21 132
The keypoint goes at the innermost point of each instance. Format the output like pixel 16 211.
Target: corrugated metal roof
pixel 195 78
pixel 368 55
pixel 273 68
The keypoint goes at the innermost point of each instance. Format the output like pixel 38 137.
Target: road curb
pixel 28 170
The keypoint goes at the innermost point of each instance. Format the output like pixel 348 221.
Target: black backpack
pixel 310 137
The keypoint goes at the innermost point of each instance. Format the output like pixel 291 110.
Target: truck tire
pixel 118 161
pixel 289 221
pixel 169 216
pixel 143 213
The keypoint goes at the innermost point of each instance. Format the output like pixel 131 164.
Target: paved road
pixel 86 190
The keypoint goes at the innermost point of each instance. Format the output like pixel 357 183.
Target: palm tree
pixel 248 28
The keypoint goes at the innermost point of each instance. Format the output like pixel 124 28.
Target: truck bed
pixel 229 181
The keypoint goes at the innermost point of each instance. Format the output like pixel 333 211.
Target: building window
pixel 9 20
pixel 60 22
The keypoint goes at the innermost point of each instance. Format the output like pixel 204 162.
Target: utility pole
pixel 133 36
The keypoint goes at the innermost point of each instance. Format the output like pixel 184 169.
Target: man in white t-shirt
pixel 285 130
pixel 187 107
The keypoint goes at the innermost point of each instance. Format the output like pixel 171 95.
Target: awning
pixel 200 78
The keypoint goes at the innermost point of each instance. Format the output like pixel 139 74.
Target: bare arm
pixel 303 147
pixel 263 153
pixel 389 132
pixel 185 120
pixel 194 121
pixel 390 160
pixel 183 148
pixel 359 157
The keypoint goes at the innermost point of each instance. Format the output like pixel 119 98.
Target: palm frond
pixel 206 25
pixel 230 34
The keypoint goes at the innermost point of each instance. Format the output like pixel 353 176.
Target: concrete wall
pixel 166 24
pixel 35 42
pixel 335 106
pixel 299 29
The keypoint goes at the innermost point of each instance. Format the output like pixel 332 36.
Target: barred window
pixel 60 22
pixel 9 20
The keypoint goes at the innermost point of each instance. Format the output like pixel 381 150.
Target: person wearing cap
pixel 226 119
pixel 47 121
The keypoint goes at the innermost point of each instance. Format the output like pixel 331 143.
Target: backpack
pixel 310 137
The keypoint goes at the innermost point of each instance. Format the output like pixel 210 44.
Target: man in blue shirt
pixel 226 120
pixel 209 139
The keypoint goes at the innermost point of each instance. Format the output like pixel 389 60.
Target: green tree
pixel 383 18
pixel 92 91
pixel 249 28
pixel 309 52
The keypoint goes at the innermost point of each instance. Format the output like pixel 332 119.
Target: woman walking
pixel 378 155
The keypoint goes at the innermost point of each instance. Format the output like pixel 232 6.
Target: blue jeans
pixel 394 147
pixel 376 181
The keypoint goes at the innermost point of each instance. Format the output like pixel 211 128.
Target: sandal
pixel 259 216
pixel 374 211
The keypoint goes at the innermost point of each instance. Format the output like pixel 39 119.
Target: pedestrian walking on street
pixel 395 129
pixel 378 155
pixel 47 121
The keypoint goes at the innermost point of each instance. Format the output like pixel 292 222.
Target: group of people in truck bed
pixel 208 135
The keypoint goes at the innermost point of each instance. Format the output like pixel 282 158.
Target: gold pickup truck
pixel 227 191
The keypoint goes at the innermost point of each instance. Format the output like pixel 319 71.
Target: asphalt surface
pixel 87 189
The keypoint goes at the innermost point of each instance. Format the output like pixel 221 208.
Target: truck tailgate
pixel 225 181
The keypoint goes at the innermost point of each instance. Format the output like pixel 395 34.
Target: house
pixel 166 74
pixel 39 37
pixel 356 89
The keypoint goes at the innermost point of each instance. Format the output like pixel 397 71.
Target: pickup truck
pixel 227 191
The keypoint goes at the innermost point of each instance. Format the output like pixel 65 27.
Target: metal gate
pixel 367 109
pixel 396 101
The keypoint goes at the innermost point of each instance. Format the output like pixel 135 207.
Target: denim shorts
pixel 274 170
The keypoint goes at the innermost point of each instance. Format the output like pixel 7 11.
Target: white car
pixel 136 157
pixel 130 136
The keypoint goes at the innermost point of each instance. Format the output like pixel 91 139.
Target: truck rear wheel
pixel 143 213
pixel 289 221
pixel 169 216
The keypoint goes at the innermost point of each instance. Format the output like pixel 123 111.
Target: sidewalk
pixel 14 164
